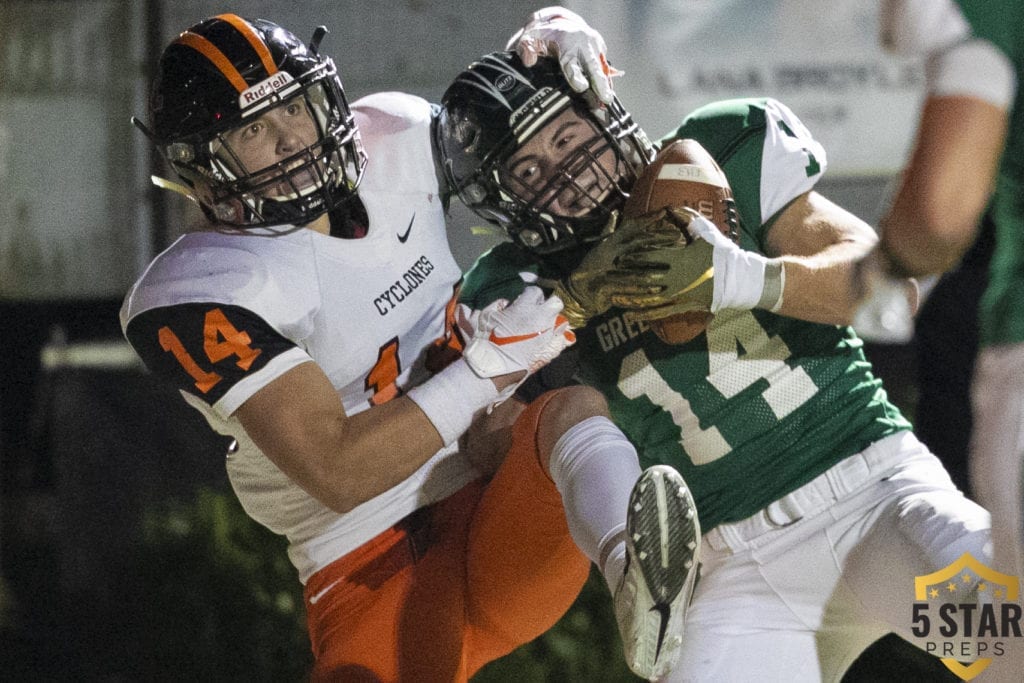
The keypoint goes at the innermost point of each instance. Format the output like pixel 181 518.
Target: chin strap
pixel 165 184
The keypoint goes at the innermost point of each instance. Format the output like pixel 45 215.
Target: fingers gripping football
pixel 521 336
pixel 709 274
pixel 557 32
pixel 613 272
pixel 676 277
pixel 649 262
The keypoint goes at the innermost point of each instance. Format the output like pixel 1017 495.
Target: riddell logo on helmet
pixel 264 88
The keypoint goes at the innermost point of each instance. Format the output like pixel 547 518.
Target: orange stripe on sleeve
pixel 243 27
pixel 210 51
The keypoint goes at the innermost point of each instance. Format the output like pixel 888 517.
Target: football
pixel 684 174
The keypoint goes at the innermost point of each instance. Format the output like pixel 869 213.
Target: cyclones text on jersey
pixel 403 287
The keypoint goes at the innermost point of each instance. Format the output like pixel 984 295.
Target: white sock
pixel 594 468
pixel 614 561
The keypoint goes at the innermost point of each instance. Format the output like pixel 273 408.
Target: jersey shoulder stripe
pixel 768 155
pixel 204 349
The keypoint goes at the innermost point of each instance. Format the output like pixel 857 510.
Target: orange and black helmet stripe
pixel 243 27
pixel 217 57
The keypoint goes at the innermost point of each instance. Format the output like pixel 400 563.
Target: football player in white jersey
pixel 316 322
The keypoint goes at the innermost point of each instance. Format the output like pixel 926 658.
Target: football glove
pixel 557 32
pixel 524 335
pixel 887 303
pixel 621 270
pixel 709 274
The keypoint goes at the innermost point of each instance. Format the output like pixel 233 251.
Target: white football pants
pixel 796 592
pixel 997 455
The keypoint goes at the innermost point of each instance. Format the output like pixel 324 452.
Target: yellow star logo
pixel 969 571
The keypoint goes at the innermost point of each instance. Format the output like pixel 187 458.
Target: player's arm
pixel 814 252
pixel 239 365
pixel 819 245
pixel 971 84
pixel 812 249
pixel 944 189
pixel 298 421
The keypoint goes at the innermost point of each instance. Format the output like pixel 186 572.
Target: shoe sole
pixel 664 540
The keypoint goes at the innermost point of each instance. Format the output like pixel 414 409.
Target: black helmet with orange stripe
pixel 222 76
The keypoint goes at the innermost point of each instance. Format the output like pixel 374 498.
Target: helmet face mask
pixel 221 86
pixel 569 174
pixel 292 189
pixel 524 151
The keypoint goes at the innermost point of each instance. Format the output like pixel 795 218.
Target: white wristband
pixel 452 397
pixel 739 279
pixel 746 280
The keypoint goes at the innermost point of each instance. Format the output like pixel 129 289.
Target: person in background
pixel 964 186
pixel 819 506
pixel 431 520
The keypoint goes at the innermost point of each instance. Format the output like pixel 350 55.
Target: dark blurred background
pixel 123 553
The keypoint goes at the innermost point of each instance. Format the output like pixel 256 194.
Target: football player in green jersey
pixel 966 172
pixel 819 504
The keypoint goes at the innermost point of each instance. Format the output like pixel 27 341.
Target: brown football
pixel 684 174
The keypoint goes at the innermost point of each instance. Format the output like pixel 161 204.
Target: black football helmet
pixel 496 106
pixel 223 74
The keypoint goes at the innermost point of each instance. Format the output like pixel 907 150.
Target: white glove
pixel 557 32
pixel 743 279
pixel 888 303
pixel 524 335
pixel 501 339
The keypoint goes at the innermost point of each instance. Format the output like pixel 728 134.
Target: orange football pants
pixel 454 585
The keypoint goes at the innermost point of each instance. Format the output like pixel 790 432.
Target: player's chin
pixel 299 185
pixel 681 327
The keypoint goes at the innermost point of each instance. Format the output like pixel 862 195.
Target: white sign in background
pixel 822 59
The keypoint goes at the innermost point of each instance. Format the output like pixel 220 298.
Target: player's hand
pixel 557 32
pixel 611 273
pixel 712 273
pixel 678 275
pixel 887 302
pixel 518 337
pixel 649 262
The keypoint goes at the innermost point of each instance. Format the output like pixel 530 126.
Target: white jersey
pixel 222 315
pixel 966 55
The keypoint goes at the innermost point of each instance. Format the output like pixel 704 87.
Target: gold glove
pixel 638 266
pixel 681 275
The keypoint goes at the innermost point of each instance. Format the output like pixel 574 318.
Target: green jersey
pixel 759 404
pixel 1001 22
